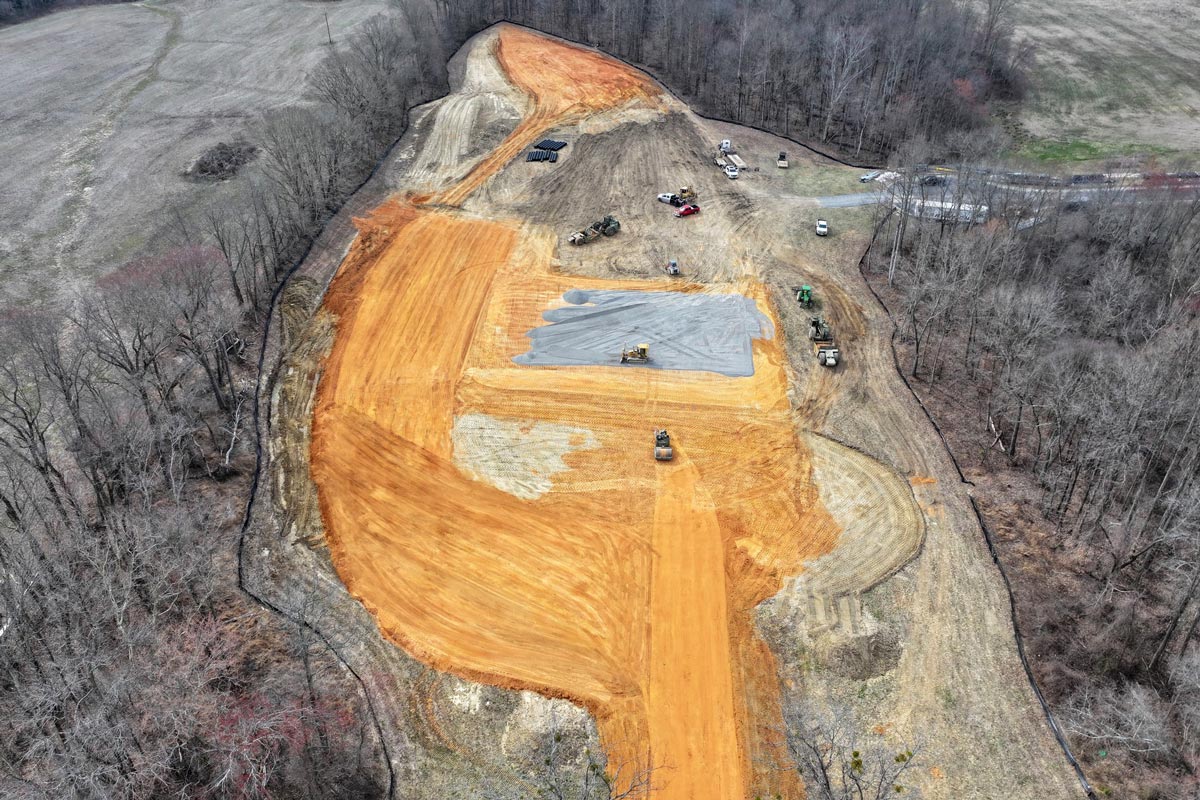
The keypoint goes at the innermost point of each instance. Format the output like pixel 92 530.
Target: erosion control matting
pixel 709 332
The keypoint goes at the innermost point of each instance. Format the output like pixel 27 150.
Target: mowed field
pixel 629 585
pixel 1120 75
pixel 104 108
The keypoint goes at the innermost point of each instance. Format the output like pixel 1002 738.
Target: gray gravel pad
pixel 706 332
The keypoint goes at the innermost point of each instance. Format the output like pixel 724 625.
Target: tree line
pixel 1068 333
pixel 131 665
pixel 863 76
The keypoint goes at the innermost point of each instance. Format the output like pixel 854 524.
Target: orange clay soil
pixel 565 83
pixel 630 586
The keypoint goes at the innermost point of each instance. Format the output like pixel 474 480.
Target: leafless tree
pixel 837 762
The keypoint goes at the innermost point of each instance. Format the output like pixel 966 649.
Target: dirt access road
pixel 508 524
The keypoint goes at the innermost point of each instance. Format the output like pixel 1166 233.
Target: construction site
pixel 565 439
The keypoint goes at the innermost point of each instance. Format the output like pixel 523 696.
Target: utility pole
pixel 328 33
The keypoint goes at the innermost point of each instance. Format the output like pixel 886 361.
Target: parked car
pixel 822 228
pixel 867 177
pixel 933 180
pixel 731 172
pixel 670 199
pixel 687 209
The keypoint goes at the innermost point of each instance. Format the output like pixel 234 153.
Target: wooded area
pixel 1067 354
pixel 131 664
pixel 860 75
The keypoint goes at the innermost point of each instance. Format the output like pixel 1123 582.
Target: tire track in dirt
pixel 628 587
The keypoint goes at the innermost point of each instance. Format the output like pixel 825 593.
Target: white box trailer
pixel 943 211
pixel 736 160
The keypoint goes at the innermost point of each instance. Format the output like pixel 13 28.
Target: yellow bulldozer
pixel 638 355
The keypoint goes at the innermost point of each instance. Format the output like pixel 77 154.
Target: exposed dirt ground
pixel 635 588
pixel 103 109
pixel 1117 73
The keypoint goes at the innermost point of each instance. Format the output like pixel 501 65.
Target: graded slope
pixel 628 586
pixel 565 84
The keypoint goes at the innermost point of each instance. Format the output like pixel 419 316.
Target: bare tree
pixel 837 762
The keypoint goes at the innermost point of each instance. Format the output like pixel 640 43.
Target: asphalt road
pixel 849 200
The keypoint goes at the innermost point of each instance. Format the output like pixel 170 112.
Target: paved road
pixel 848 200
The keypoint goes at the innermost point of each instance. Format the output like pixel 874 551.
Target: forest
pixel 857 76
pixel 1064 359
pixel 132 664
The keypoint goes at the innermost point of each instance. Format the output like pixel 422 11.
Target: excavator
pixel 638 355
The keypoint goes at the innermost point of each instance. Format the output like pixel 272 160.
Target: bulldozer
pixel 662 446
pixel 607 227
pixel 638 355
pixel 687 194
pixel 804 296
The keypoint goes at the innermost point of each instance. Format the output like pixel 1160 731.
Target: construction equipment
pixel 638 355
pixel 804 296
pixel 827 352
pixel 662 446
pixel 673 268
pixel 607 226
pixel 828 355
pixel 819 331
pixel 782 161
pixel 687 193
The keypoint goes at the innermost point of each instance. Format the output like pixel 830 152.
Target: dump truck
pixel 804 296
pixel 638 355
pixel 821 335
pixel 782 161
pixel 607 227
pixel 662 446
